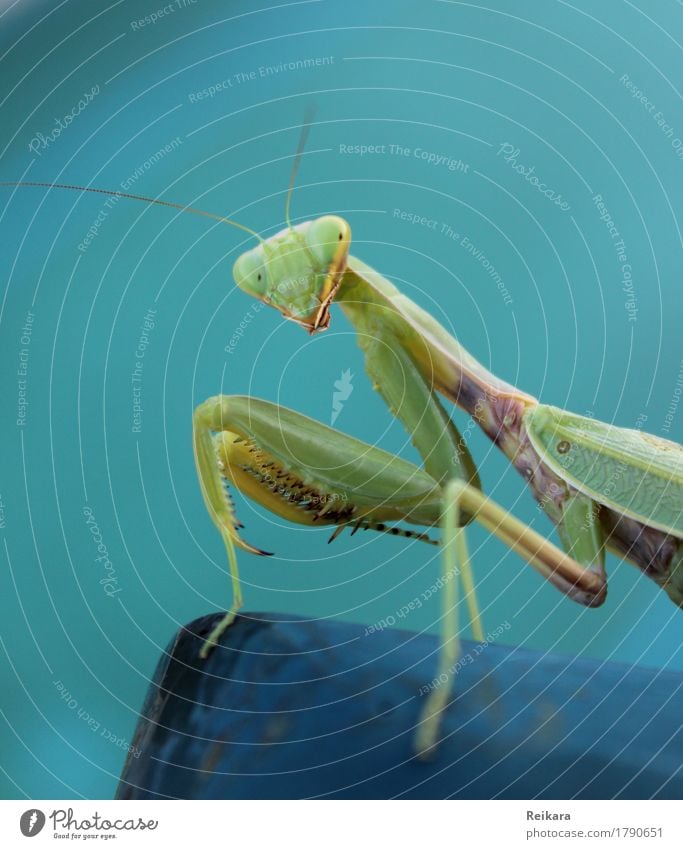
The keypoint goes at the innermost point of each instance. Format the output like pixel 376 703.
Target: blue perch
pixel 288 708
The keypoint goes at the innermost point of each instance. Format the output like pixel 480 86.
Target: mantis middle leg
pixel 410 397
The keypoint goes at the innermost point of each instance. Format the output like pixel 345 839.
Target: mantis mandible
pixel 604 487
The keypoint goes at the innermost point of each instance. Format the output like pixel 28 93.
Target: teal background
pixel 457 79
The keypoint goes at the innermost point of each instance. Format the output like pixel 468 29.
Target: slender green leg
pixel 454 564
pixel 584 576
pixel 470 593
pixel 409 397
pixel 211 416
pixel 222 626
pixel 572 577
pixel 445 456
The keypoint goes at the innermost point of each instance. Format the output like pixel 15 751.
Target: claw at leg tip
pixel 206 648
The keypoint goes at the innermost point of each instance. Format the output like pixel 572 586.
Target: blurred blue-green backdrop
pixel 540 144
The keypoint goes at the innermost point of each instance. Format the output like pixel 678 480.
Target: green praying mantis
pixel 604 487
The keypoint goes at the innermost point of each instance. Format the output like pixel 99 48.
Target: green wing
pixel 633 473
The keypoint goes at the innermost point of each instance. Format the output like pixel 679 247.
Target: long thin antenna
pixel 303 138
pixel 113 193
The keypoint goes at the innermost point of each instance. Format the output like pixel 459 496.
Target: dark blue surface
pixel 290 708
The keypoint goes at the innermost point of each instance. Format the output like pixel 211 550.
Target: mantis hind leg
pixel 583 580
pixel 455 567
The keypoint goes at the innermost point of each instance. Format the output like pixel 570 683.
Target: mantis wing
pixel 631 472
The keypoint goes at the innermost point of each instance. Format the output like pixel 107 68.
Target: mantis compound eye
pixel 325 237
pixel 250 273
pixel 563 447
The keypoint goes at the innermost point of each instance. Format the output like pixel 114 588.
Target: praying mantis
pixel 604 487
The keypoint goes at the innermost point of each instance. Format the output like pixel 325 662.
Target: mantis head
pixel 298 270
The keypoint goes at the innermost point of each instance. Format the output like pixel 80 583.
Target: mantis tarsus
pixel 604 487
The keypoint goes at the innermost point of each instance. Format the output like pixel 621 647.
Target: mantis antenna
pixel 179 206
pixel 303 138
